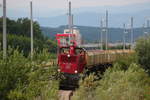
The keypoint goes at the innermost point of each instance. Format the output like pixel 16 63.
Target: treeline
pixel 18 36
pixel 21 27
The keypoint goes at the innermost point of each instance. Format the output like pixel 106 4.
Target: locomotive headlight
pixel 76 71
pixel 58 70
pixel 68 55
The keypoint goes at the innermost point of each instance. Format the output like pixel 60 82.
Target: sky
pixel 52 8
pixel 58 7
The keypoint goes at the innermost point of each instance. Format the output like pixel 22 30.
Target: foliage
pixel 132 84
pixel 125 61
pixel 18 36
pixel 21 27
pixel 23 79
pixel 143 52
pixel 116 84
pixel 87 89
pixel 22 43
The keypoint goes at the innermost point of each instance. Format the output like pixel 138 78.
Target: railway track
pixel 65 94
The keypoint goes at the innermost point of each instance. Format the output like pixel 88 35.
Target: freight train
pixel 73 58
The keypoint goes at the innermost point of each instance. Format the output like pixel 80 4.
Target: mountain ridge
pixel 92 34
pixel 93 19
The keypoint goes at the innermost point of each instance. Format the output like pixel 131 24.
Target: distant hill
pixel 92 34
pixel 90 15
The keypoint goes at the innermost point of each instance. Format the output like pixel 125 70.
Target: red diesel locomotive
pixel 73 59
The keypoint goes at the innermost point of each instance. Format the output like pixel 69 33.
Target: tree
pixel 21 27
pixel 143 52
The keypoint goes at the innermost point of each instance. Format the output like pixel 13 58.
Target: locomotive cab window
pixel 79 51
pixel 64 50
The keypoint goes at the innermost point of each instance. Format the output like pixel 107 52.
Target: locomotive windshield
pixel 65 50
pixel 64 41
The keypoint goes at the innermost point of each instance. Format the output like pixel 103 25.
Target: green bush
pixel 116 84
pixel 22 43
pixel 125 61
pixel 87 88
pixel 21 27
pixel 23 79
pixel 143 52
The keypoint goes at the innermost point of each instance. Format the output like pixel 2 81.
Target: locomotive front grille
pixel 66 59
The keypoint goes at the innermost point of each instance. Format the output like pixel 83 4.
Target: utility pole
pixel 31 19
pixel 106 30
pixel 72 23
pixel 4 31
pixel 143 29
pixel 70 17
pixel 132 39
pixel 101 32
pixel 69 21
pixel 124 37
pixel 148 26
pixel 148 23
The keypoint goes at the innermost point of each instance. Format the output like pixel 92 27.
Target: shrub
pixel 23 79
pixel 22 43
pixel 143 52
pixel 87 88
pixel 125 61
pixel 117 84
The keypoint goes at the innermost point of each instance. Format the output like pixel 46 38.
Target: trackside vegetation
pixel 20 77
pixel 128 79
pixel 23 79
